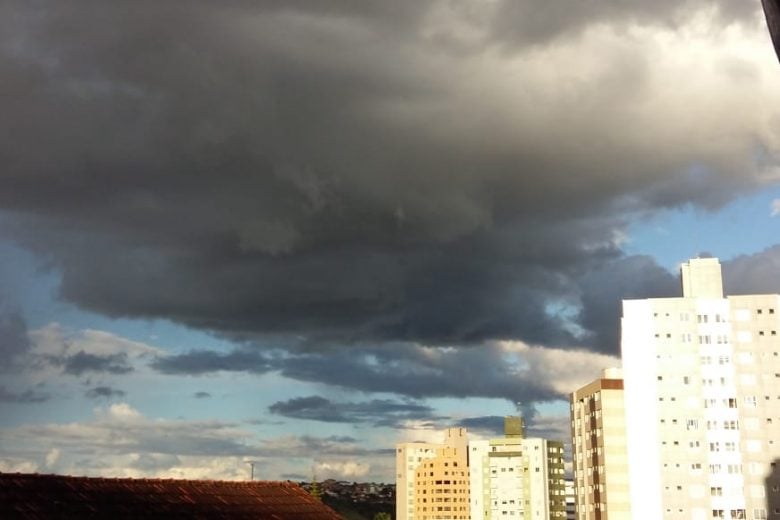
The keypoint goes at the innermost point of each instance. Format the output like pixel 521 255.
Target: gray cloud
pixel 520 22
pixel 27 396
pixel 104 392
pixel 604 288
pixel 82 362
pixel 315 447
pixel 205 361
pixel 377 412
pixel 536 425
pixel 419 372
pixel 14 341
pixel 489 425
pixel 407 369
pixel 354 173
pixel 758 273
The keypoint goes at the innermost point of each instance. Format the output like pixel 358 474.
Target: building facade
pixel 441 488
pixel 600 466
pixel 408 456
pixel 432 479
pixel 702 400
pixel 516 478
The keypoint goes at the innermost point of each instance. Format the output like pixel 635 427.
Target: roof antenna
pixel 252 469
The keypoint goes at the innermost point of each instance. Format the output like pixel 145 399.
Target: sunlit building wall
pixel 702 400
pixel 516 478
pixel 598 427
pixel 408 456
pixel 432 479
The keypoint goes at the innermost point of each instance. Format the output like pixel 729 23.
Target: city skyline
pixel 299 234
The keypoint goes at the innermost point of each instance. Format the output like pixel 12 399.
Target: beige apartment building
pixel 598 429
pixel 442 486
pixel 432 480
pixel 511 478
pixel 702 401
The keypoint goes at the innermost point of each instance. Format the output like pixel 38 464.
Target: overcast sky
pixel 298 232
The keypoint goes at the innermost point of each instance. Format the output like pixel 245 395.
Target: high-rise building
pixel 598 429
pixel 702 401
pixel 516 477
pixel 432 480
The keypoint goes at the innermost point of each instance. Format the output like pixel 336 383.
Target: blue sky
pixel 744 226
pixel 300 234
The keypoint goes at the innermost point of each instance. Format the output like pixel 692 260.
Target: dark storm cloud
pixel 419 372
pixel 407 369
pixel 377 412
pixel 27 396
pixel 604 288
pixel 351 172
pixel 205 361
pixel 104 392
pixel 83 362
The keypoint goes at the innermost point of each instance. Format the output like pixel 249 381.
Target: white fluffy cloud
pixel 566 370
pixel 342 470
pixel 121 441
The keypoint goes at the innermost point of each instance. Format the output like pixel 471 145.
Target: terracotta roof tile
pixel 53 496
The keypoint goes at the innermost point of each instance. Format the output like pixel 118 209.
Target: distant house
pixel 53 496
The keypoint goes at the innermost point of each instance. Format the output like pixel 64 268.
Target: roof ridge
pixel 147 479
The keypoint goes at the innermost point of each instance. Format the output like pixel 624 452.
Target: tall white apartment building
pixel 702 401
pixel 516 478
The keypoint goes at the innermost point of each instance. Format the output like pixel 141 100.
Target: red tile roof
pixel 54 496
